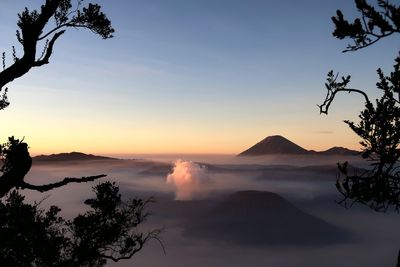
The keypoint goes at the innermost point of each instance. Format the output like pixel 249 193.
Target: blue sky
pixel 191 76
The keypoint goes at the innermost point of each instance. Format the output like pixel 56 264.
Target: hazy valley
pixel 272 210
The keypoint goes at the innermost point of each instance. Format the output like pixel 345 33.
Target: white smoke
pixel 190 180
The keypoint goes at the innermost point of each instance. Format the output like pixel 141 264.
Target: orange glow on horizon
pixel 49 133
pixel 170 145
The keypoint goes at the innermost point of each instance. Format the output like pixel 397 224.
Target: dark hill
pixel 339 151
pixel 263 218
pixel 274 145
pixel 73 156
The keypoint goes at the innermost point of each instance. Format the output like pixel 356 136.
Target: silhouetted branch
pixel 141 241
pixel 17 163
pixel 378 188
pixel 65 26
pixel 351 48
pixel 31 25
pixel 53 30
pixel 374 25
pixel 65 181
pixel 49 50
pixel 334 87
pixel 31 236
pixel 324 107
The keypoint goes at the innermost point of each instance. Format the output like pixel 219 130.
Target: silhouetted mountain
pixel 337 150
pixel 277 144
pixel 274 145
pixel 73 156
pixel 263 218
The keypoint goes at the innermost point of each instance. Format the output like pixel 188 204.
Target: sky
pixel 191 76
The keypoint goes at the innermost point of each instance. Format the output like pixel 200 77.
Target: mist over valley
pixel 212 207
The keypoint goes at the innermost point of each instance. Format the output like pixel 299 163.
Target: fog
pixel 367 238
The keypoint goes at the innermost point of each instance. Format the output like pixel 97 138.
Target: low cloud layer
pixel 189 179
pixel 310 189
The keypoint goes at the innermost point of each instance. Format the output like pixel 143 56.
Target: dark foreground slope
pixel 263 218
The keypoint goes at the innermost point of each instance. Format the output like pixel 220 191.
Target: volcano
pixel 275 144
pixel 263 218
pixel 278 144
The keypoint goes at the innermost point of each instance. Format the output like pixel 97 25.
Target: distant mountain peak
pixel 275 144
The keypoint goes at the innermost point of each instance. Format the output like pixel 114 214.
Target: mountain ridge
pixel 71 156
pixel 277 144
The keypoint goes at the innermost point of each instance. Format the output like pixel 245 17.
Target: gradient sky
pixel 191 76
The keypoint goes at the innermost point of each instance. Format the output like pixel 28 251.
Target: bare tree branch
pixel 333 87
pixel 65 181
pixel 376 23
pixel 352 48
pixel 17 163
pixel 49 50
pixel 324 107
pixel 155 234
pixel 31 25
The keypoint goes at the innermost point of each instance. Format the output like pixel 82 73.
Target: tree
pixel 30 236
pixel 379 126
pixel 32 33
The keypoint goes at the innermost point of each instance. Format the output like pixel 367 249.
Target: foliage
pixel 9 153
pixel 31 236
pixel 32 32
pixel 17 163
pixel 375 23
pixel 379 186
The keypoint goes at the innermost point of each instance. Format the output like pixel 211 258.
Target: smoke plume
pixel 189 179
